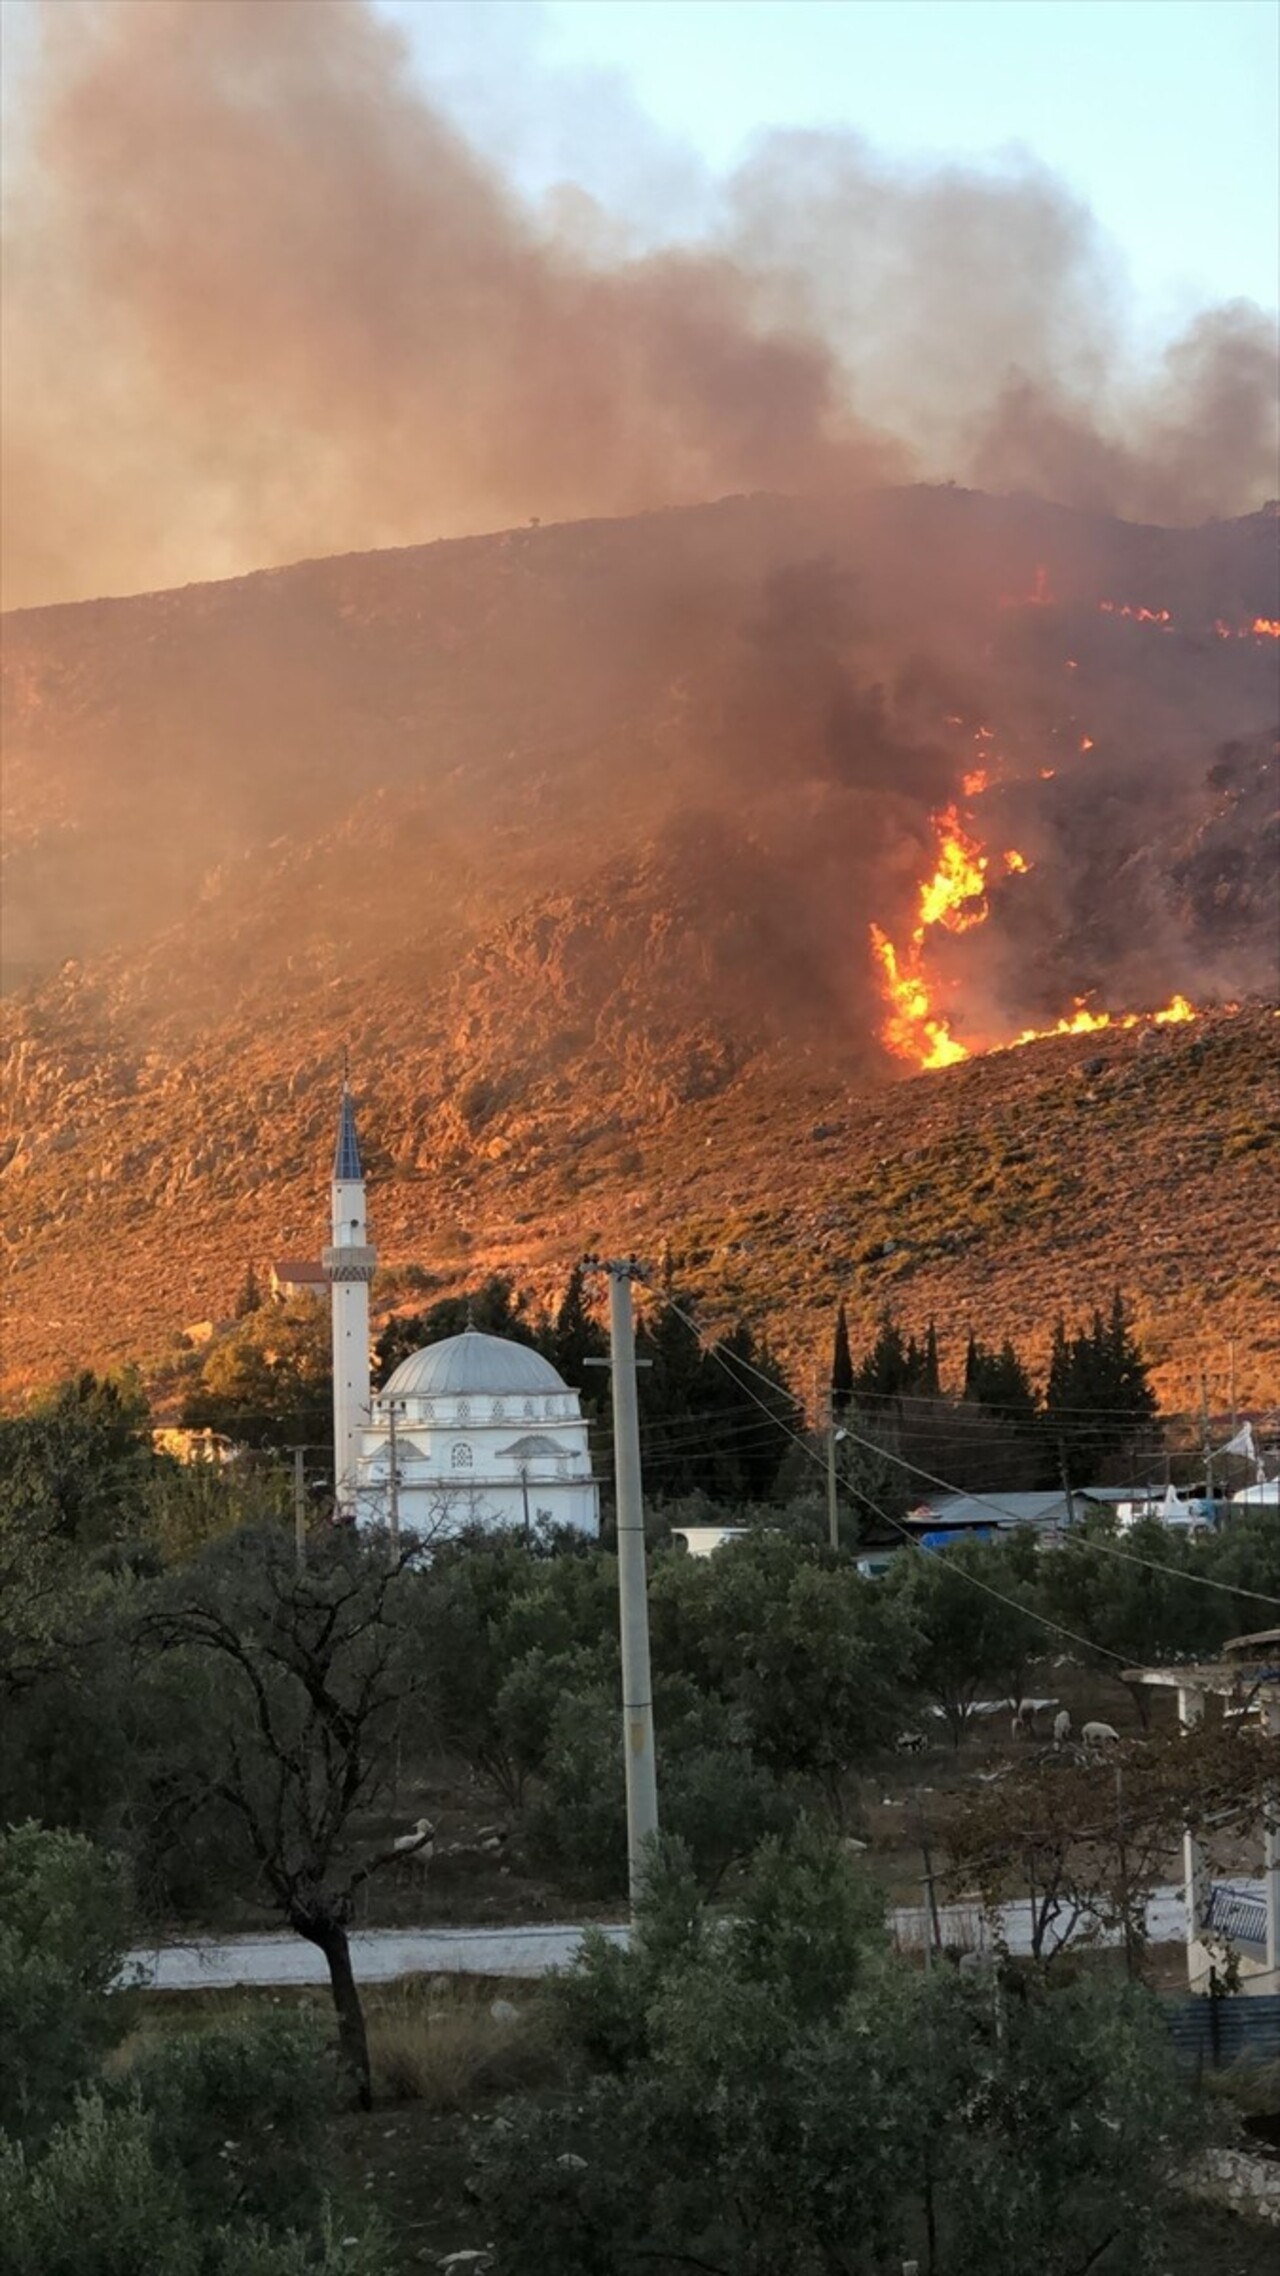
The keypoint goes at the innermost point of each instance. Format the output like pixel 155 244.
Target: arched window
pixel 461 1456
pixel 529 1414
pixel 464 1410
pixel 499 1409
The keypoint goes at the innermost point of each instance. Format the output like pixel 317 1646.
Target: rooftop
pixel 472 1362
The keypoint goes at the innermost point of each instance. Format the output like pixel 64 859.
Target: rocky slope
pixel 572 837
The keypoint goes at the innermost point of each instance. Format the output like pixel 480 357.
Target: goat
pixel 1100 1735
pixel 910 1742
pixel 1061 1727
pixel 1024 1720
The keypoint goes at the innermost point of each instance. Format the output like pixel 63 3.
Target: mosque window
pixel 530 1411
pixel 461 1456
pixel 499 1409
pixel 464 1410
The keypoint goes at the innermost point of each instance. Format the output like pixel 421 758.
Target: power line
pixel 1012 1602
pixel 1201 1579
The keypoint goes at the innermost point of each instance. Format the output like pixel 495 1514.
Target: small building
pixel 983 1514
pixel 486 1432
pixel 1231 1920
pixel 704 1540
pixel 294 1276
pixel 185 1445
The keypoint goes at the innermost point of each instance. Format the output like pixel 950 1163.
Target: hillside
pixel 574 837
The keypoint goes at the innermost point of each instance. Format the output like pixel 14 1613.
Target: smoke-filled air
pixel 263 301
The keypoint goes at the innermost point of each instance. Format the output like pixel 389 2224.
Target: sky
pixel 1162 115
pixel 300 276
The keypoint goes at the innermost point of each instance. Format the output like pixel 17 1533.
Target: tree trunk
pixel 353 2039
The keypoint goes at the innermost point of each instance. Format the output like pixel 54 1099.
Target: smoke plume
pixel 263 301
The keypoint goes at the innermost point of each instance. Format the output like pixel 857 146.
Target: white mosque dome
pixel 472 1362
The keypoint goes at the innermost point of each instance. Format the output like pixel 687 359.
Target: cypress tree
pixel 841 1366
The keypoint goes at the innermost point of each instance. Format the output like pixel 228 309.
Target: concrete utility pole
pixel 393 1482
pixel 633 1600
pixel 1208 1442
pixel 300 1506
pixel 834 1435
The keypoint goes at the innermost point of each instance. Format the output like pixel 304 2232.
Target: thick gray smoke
pixel 263 302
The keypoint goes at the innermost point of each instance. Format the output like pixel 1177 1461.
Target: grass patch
pixel 451 2044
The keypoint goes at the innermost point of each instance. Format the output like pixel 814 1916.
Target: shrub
pixel 63 1910
pixel 96 2203
pixel 239 2110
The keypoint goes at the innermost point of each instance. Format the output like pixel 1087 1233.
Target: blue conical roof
pixel 346 1154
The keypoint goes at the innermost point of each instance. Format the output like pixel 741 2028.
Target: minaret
pixel 349 1264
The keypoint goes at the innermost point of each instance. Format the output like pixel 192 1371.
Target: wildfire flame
pixel 959 878
pixel 1258 628
pixel 1138 615
pixel 1085 1022
pixel 955 896
pixel 912 1030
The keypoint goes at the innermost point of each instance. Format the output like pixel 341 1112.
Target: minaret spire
pixel 349 1262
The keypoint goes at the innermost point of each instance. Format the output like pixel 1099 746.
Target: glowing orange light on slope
pixel 1016 864
pixel 974 784
pixel 955 897
pixel 912 1030
pixel 959 878
pixel 1175 1011
pixel 1138 615
pixel 1084 1022
pixel 1266 628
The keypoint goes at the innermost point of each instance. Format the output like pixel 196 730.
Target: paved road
pixel 381 1954
pixel 208 1963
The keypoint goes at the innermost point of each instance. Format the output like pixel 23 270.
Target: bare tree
pixel 299 1677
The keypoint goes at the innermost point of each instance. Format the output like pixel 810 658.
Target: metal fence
pixel 1215 2032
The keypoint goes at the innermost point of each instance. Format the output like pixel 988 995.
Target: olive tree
pixel 287 1683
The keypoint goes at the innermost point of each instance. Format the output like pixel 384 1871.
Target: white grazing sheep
pixel 1061 1727
pixel 1100 1735
pixel 910 1742
pixel 414 1851
pixel 1024 1719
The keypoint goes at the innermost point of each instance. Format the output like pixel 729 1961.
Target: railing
pixel 1239 1915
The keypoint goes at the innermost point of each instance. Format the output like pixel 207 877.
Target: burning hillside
pixel 569 833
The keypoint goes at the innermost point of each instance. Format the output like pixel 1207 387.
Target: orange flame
pixel 974 784
pixel 1015 864
pixel 1085 1022
pixel 1266 628
pixel 959 879
pixel 912 1030
pixel 1138 615
pixel 955 897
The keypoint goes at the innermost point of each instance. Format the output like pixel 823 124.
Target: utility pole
pixel 1064 1473
pixel 1231 1381
pixel 393 1483
pixel 1204 1426
pixel 300 1506
pixel 633 1601
pixel 833 1506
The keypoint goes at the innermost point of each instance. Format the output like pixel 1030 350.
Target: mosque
pixel 474 1430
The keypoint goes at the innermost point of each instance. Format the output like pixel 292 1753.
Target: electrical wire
pixel 1201 1579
